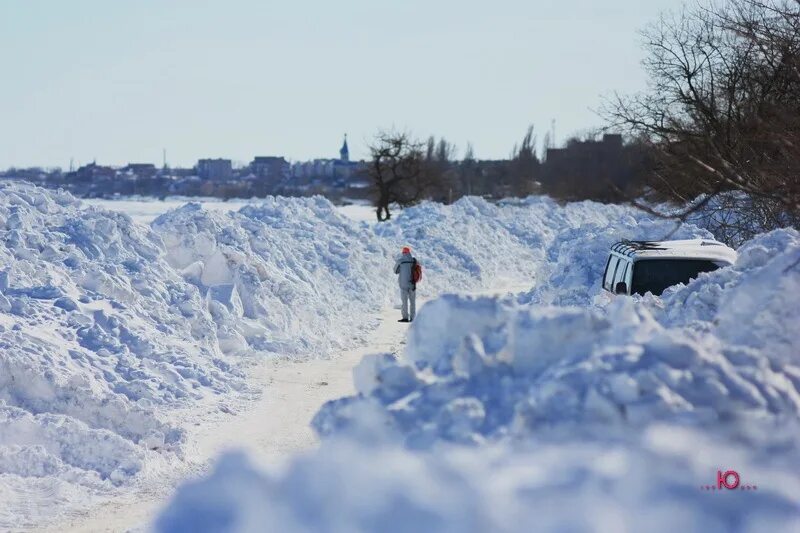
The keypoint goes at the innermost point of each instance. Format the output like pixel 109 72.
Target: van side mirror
pixel 621 288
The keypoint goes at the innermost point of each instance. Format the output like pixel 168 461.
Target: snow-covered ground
pixel 135 348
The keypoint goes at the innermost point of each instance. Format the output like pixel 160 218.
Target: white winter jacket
pixel 404 268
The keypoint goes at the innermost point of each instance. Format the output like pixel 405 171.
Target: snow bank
pixel 471 244
pixel 478 368
pixel 107 325
pixel 751 305
pixel 577 258
pixel 519 371
pixel 97 335
pixel 653 482
pixel 288 276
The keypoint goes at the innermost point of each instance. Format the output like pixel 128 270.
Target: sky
pixel 119 82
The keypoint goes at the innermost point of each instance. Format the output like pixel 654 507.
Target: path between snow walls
pixel 506 415
pixel 272 429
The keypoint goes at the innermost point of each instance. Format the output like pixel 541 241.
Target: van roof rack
pixel 627 247
pixel 707 249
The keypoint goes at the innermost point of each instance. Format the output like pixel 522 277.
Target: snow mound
pixel 97 334
pixel 486 368
pixel 522 370
pixel 751 305
pixel 470 244
pixel 662 475
pixel 107 325
pixel 577 258
pixel 288 275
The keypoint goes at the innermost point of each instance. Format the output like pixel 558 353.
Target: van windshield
pixel 655 275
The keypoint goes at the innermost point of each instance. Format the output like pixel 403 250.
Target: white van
pixel 639 267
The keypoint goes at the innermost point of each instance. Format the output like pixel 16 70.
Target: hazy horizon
pixel 120 82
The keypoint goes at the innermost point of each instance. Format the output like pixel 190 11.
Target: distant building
pixel 181 172
pixel 92 172
pixel 333 171
pixel 608 148
pixel 344 151
pixel 317 169
pixel 34 175
pixel 343 169
pixel 215 169
pixel 141 170
pixel 591 168
pixel 270 168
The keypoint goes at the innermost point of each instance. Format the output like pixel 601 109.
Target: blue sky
pixel 119 81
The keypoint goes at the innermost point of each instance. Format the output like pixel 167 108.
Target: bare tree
pixel 547 143
pixel 441 170
pixel 723 110
pixel 399 171
pixel 524 165
pixel 468 171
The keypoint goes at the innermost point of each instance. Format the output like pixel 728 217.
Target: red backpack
pixel 416 272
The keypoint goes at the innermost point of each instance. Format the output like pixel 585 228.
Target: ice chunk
pixel 228 296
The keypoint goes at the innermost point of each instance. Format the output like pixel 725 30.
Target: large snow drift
pixel 478 368
pixel 289 276
pixel 506 413
pixel 96 332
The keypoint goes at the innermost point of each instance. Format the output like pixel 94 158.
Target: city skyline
pixel 164 161
pixel 118 83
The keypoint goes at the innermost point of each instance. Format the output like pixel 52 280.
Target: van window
pixel 611 267
pixel 655 275
pixel 622 271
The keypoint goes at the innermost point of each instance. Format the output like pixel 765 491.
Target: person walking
pixel 409 272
